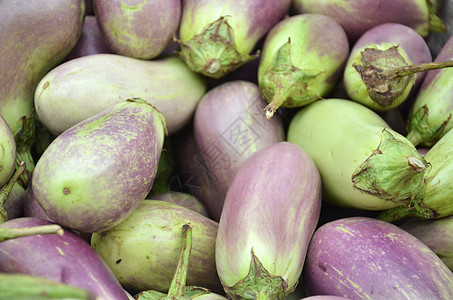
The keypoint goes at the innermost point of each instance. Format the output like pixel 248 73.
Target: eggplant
pixel 358 16
pixel 143 250
pixel 138 29
pixel 35 37
pixel 8 153
pixel 216 36
pixel 182 199
pixel 14 204
pixel 65 258
pixel 364 164
pixel 229 125
pixel 270 213
pixel 31 206
pixel 302 60
pixel 91 40
pixel 65 95
pixel 378 71
pixel 430 113
pixel 94 174
pixel 365 258
pixel 436 234
pixel 438 185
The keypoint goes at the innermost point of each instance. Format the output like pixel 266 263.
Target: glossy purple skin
pixel 230 125
pixel 143 30
pixel 358 16
pixel 365 258
pixel 90 41
pixel 405 37
pixel 273 206
pixel 67 259
pixel 31 206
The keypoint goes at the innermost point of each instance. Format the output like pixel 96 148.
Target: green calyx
pixel 393 172
pixel 285 85
pixel 213 52
pixel 421 131
pixel 436 24
pixel 24 135
pixel 259 284
pixel 7 188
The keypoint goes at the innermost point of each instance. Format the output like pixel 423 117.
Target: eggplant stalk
pixel 12 233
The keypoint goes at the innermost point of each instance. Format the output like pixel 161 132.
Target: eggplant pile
pixel 256 150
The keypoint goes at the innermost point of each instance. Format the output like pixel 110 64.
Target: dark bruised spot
pixel 118 261
pixel 147 257
pixel 1 168
pixel 104 233
pixel 323 268
pixel 66 191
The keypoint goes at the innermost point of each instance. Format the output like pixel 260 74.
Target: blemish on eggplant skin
pixel 118 261
pixel 322 267
pixel 66 191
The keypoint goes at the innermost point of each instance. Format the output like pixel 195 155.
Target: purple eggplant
pixel 270 213
pixel 35 36
pixel 358 16
pixel 90 41
pixel 436 234
pixel 93 175
pixel 139 29
pixel 14 204
pixel 63 258
pixel 65 95
pixel 365 258
pixel 143 250
pixel 431 112
pixel 31 206
pixel 229 125
pixel 381 71
pixel 217 36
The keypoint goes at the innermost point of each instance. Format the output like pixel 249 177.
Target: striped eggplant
pixel 378 71
pixel 431 111
pixel 143 250
pixel 229 125
pixel 364 163
pixel 94 174
pixel 139 29
pixel 436 234
pixel 270 213
pixel 358 16
pixel 65 258
pixel 7 153
pixel 303 59
pixel 65 95
pixel 438 184
pixel 365 258
pixel 35 36
pixel 217 36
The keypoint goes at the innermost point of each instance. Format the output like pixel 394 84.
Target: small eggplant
pixel 364 163
pixel 143 250
pixel 303 59
pixel 365 258
pixel 217 36
pixel 270 213
pixel 65 258
pixel 93 175
pixel 139 29
pixel 379 72
pixel 358 16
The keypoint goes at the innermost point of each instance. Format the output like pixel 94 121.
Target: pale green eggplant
pixel 7 152
pixel 363 162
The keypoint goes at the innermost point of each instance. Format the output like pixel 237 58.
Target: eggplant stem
pixel 12 233
pixel 416 68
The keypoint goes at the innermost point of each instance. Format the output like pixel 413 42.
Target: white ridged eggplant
pixel 363 162
pixel 270 213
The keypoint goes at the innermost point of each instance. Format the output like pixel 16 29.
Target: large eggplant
pixel 64 258
pixel 372 74
pixel 65 96
pixel 358 16
pixel 93 175
pixel 140 29
pixel 229 125
pixel 302 60
pixel 35 36
pixel 270 213
pixel 143 250
pixel 217 36
pixel 430 114
pixel 363 162
pixel 365 258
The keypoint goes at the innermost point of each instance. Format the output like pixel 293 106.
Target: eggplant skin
pixel 366 258
pixel 67 259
